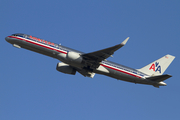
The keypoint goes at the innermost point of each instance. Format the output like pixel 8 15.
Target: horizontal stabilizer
pixel 159 78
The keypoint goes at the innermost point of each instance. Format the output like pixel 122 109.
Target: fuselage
pixel 59 52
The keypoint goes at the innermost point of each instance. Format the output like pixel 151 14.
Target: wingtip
pixel 125 41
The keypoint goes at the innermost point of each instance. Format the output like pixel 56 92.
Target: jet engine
pixel 64 68
pixel 74 58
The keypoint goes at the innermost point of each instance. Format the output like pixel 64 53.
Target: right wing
pixel 94 58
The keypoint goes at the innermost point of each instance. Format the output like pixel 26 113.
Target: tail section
pixel 159 78
pixel 158 67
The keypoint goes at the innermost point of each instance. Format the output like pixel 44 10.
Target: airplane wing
pixel 96 57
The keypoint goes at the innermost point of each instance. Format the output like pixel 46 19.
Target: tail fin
pixel 158 67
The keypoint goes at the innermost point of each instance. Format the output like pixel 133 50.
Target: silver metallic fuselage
pixel 59 52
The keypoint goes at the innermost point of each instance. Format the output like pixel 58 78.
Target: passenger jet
pixel 87 64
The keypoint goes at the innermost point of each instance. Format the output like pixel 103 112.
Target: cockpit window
pixel 14 35
pixel 18 34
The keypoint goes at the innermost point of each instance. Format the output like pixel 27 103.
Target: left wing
pixel 94 58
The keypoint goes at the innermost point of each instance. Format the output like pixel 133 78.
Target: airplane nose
pixel 7 39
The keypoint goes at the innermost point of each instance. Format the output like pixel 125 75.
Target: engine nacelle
pixel 74 58
pixel 64 68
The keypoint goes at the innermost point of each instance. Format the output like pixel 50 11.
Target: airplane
pixel 88 64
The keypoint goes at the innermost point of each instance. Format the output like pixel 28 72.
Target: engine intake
pixel 74 58
pixel 64 68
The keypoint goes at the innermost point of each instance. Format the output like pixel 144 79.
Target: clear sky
pixel 32 89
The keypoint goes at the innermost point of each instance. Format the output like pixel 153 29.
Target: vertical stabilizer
pixel 157 67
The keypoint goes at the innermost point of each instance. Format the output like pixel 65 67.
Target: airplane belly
pixel 122 76
pixel 36 48
pixel 115 74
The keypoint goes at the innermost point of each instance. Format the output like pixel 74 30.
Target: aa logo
pixel 155 67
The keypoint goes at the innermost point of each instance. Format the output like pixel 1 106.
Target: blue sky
pixel 31 88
